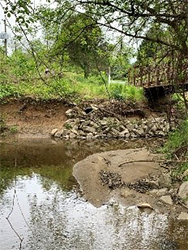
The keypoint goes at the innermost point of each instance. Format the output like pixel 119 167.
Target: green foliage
pixel 7 90
pixel 124 92
pixel 178 172
pixel 85 44
pixel 177 140
pixel 177 144
pixel 22 64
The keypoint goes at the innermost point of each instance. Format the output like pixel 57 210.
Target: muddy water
pixel 47 211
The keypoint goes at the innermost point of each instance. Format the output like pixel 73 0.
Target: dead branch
pixel 155 161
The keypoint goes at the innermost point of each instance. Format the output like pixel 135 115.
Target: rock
pixel 89 129
pixel 54 131
pixel 94 107
pixel 183 191
pixel 161 133
pixel 72 136
pixel 74 131
pixel 158 192
pixel 183 216
pixel 89 136
pixel 69 113
pixel 140 131
pixel 166 199
pixel 130 127
pixel 65 133
pixel 154 128
pixel 145 205
pixel 122 128
pixel 58 134
pixel 126 193
pixel 124 132
pixel 165 180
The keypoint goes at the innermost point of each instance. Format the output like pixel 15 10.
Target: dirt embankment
pixel 33 118
pixel 30 117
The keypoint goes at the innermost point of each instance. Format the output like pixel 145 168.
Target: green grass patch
pixel 74 86
pixel 177 140
pixel 177 147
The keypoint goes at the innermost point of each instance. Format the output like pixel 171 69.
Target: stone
pixel 89 129
pixel 154 128
pixel 69 113
pixel 58 134
pixel 183 191
pixel 161 133
pixel 158 192
pixel 54 131
pixel 89 136
pixel 165 180
pixel 65 133
pixel 74 131
pixel 115 131
pixel 103 122
pixel 140 131
pixel 94 107
pixel 166 199
pixel 122 128
pixel 72 136
pixel 81 133
pixel 183 216
pixel 124 132
pixel 130 127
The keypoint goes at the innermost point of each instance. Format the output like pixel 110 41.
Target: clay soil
pixel 33 118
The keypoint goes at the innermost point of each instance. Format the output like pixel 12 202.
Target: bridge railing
pixel 152 76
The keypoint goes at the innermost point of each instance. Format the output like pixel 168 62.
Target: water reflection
pixel 62 220
pixel 50 214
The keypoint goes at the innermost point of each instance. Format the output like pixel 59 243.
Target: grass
pixel 74 86
pixel 177 139
pixel 177 144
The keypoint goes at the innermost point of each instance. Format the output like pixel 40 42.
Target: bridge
pixel 158 80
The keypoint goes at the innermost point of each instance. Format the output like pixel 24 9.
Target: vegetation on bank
pixel 72 86
pixel 176 149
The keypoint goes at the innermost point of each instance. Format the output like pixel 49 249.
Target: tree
pixel 83 41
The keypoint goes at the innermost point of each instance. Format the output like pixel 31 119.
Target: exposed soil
pixel 33 118
pixel 30 117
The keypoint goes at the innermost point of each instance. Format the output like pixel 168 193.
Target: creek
pixel 46 210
